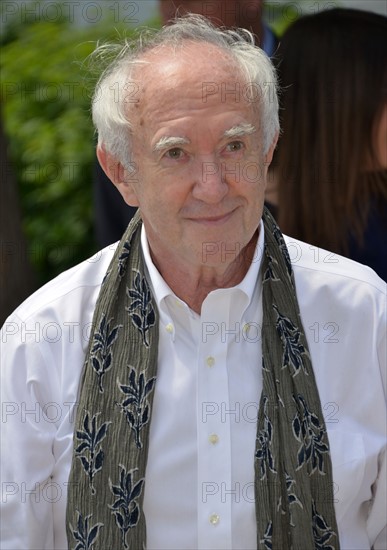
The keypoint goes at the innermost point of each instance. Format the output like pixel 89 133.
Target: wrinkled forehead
pixel 203 67
pixel 188 58
pixel 184 80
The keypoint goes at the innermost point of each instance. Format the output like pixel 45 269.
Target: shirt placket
pixel 213 431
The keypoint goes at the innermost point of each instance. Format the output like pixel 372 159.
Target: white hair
pixel 111 107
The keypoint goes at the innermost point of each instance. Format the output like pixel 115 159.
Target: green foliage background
pixel 46 89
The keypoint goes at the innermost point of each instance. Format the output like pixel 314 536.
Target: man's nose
pixel 210 182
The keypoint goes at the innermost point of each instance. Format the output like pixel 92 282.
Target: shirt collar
pixel 160 288
pixel 248 284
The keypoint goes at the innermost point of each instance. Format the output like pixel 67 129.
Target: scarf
pixel 293 471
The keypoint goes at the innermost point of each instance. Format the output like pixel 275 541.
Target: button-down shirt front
pixel 203 429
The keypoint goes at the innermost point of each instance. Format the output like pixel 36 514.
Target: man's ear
pixel 119 175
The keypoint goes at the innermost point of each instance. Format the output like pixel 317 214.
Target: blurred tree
pixel 17 278
pixel 46 92
pixel 47 119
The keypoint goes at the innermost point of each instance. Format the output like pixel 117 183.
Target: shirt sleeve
pixel 377 519
pixel 27 435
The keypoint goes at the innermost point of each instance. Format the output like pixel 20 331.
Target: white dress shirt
pixel 199 479
pixel 203 429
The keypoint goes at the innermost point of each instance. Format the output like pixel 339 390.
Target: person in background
pixel 245 14
pixel 328 180
pixel 206 383
pixel 112 214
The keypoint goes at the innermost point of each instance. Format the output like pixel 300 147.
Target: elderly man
pixel 208 383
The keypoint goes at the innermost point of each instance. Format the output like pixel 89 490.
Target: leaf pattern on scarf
pixel 136 406
pixel 270 274
pixel 141 309
pixel 89 450
pixel 264 365
pixel 106 277
pixel 268 536
pixel 264 438
pixel 85 534
pixel 122 260
pixel 125 507
pixel 308 430
pixel 284 249
pixel 321 531
pixel 293 349
pixel 101 351
pixel 292 497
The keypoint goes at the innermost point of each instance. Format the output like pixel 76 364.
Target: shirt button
pixel 213 438
pixel 214 519
pixel 169 328
pixel 210 361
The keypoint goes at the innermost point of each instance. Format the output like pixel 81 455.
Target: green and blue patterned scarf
pixel 293 472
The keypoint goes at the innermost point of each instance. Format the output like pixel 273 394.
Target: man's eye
pixel 175 153
pixel 234 146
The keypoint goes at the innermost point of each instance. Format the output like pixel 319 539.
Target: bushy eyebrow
pixel 169 141
pixel 166 142
pixel 239 131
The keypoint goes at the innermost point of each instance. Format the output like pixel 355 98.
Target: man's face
pixel 230 13
pixel 197 146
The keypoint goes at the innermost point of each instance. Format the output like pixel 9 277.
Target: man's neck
pixel 192 285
